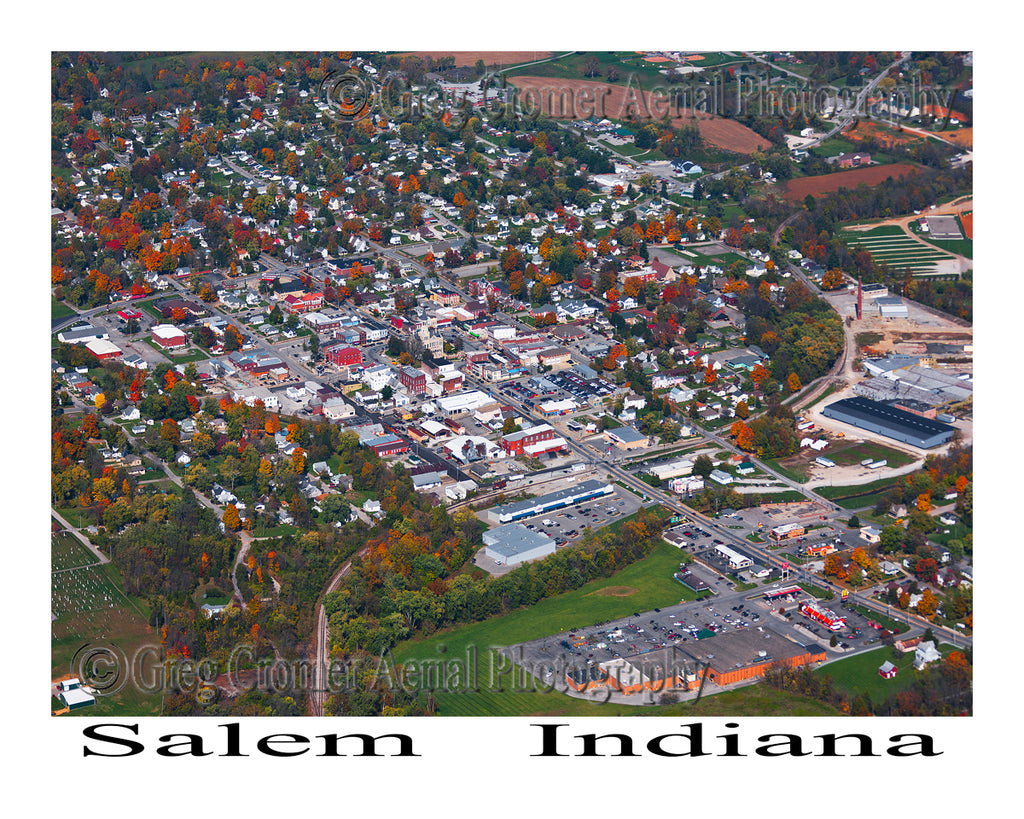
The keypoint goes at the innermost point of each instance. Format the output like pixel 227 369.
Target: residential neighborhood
pixel 332 387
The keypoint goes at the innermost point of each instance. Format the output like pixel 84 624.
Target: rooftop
pixel 515 539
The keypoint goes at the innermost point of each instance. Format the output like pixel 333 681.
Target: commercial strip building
pixel 514 543
pixel 508 512
pixel 897 424
pixel 730 657
pixel 736 560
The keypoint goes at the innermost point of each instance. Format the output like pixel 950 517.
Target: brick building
pixel 526 441
pixel 415 381
pixel 343 355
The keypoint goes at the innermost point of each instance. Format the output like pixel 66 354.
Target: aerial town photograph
pixel 511 383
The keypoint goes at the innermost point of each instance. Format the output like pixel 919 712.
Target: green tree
pixel 703 466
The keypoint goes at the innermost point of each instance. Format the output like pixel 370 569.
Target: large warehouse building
pixel 899 425
pixel 514 543
pixel 731 657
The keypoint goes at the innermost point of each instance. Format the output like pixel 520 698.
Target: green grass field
pixel 859 673
pixel 59 309
pixel 645 585
pixel 866 449
pixel 857 497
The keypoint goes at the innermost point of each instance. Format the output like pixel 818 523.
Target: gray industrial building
pixel 909 382
pixel 897 424
pixel 891 307
pixel 514 543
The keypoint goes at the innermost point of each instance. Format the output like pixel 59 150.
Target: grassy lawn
pixel 280 530
pixel 964 247
pixel 795 472
pixel 834 147
pixel 859 673
pixel 857 497
pixel 866 449
pixel 59 309
pixel 645 585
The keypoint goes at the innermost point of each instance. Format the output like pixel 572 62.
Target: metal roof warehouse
pixel 889 421
pixel 514 543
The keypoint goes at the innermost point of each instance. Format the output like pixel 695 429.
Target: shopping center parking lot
pixel 566 525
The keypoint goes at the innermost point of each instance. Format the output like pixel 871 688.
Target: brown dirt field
pixel 884 135
pixel 468 58
pixel 964 137
pixel 616 591
pixel 967 220
pixel 561 99
pixel 796 189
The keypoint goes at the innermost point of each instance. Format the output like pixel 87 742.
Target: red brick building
pixel 302 302
pixel 415 381
pixel 168 336
pixel 514 442
pixel 343 355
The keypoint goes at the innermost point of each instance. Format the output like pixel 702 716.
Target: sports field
pixel 889 245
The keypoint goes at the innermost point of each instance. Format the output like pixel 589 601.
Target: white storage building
pixel 514 543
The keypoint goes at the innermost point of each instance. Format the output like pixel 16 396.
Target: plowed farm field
pixel 797 189
pixel 967 222
pixel 579 99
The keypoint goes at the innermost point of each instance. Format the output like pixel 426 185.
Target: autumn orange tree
pixel 833 279
pixel 232 520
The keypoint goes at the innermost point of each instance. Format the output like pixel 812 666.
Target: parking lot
pixel 568 525
pixel 567 385
pixel 636 634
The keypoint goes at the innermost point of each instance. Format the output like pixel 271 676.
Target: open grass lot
pixel 796 467
pixel 59 309
pixel 645 585
pixel 90 609
pixel 860 672
pixel 854 453
pixel 857 497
